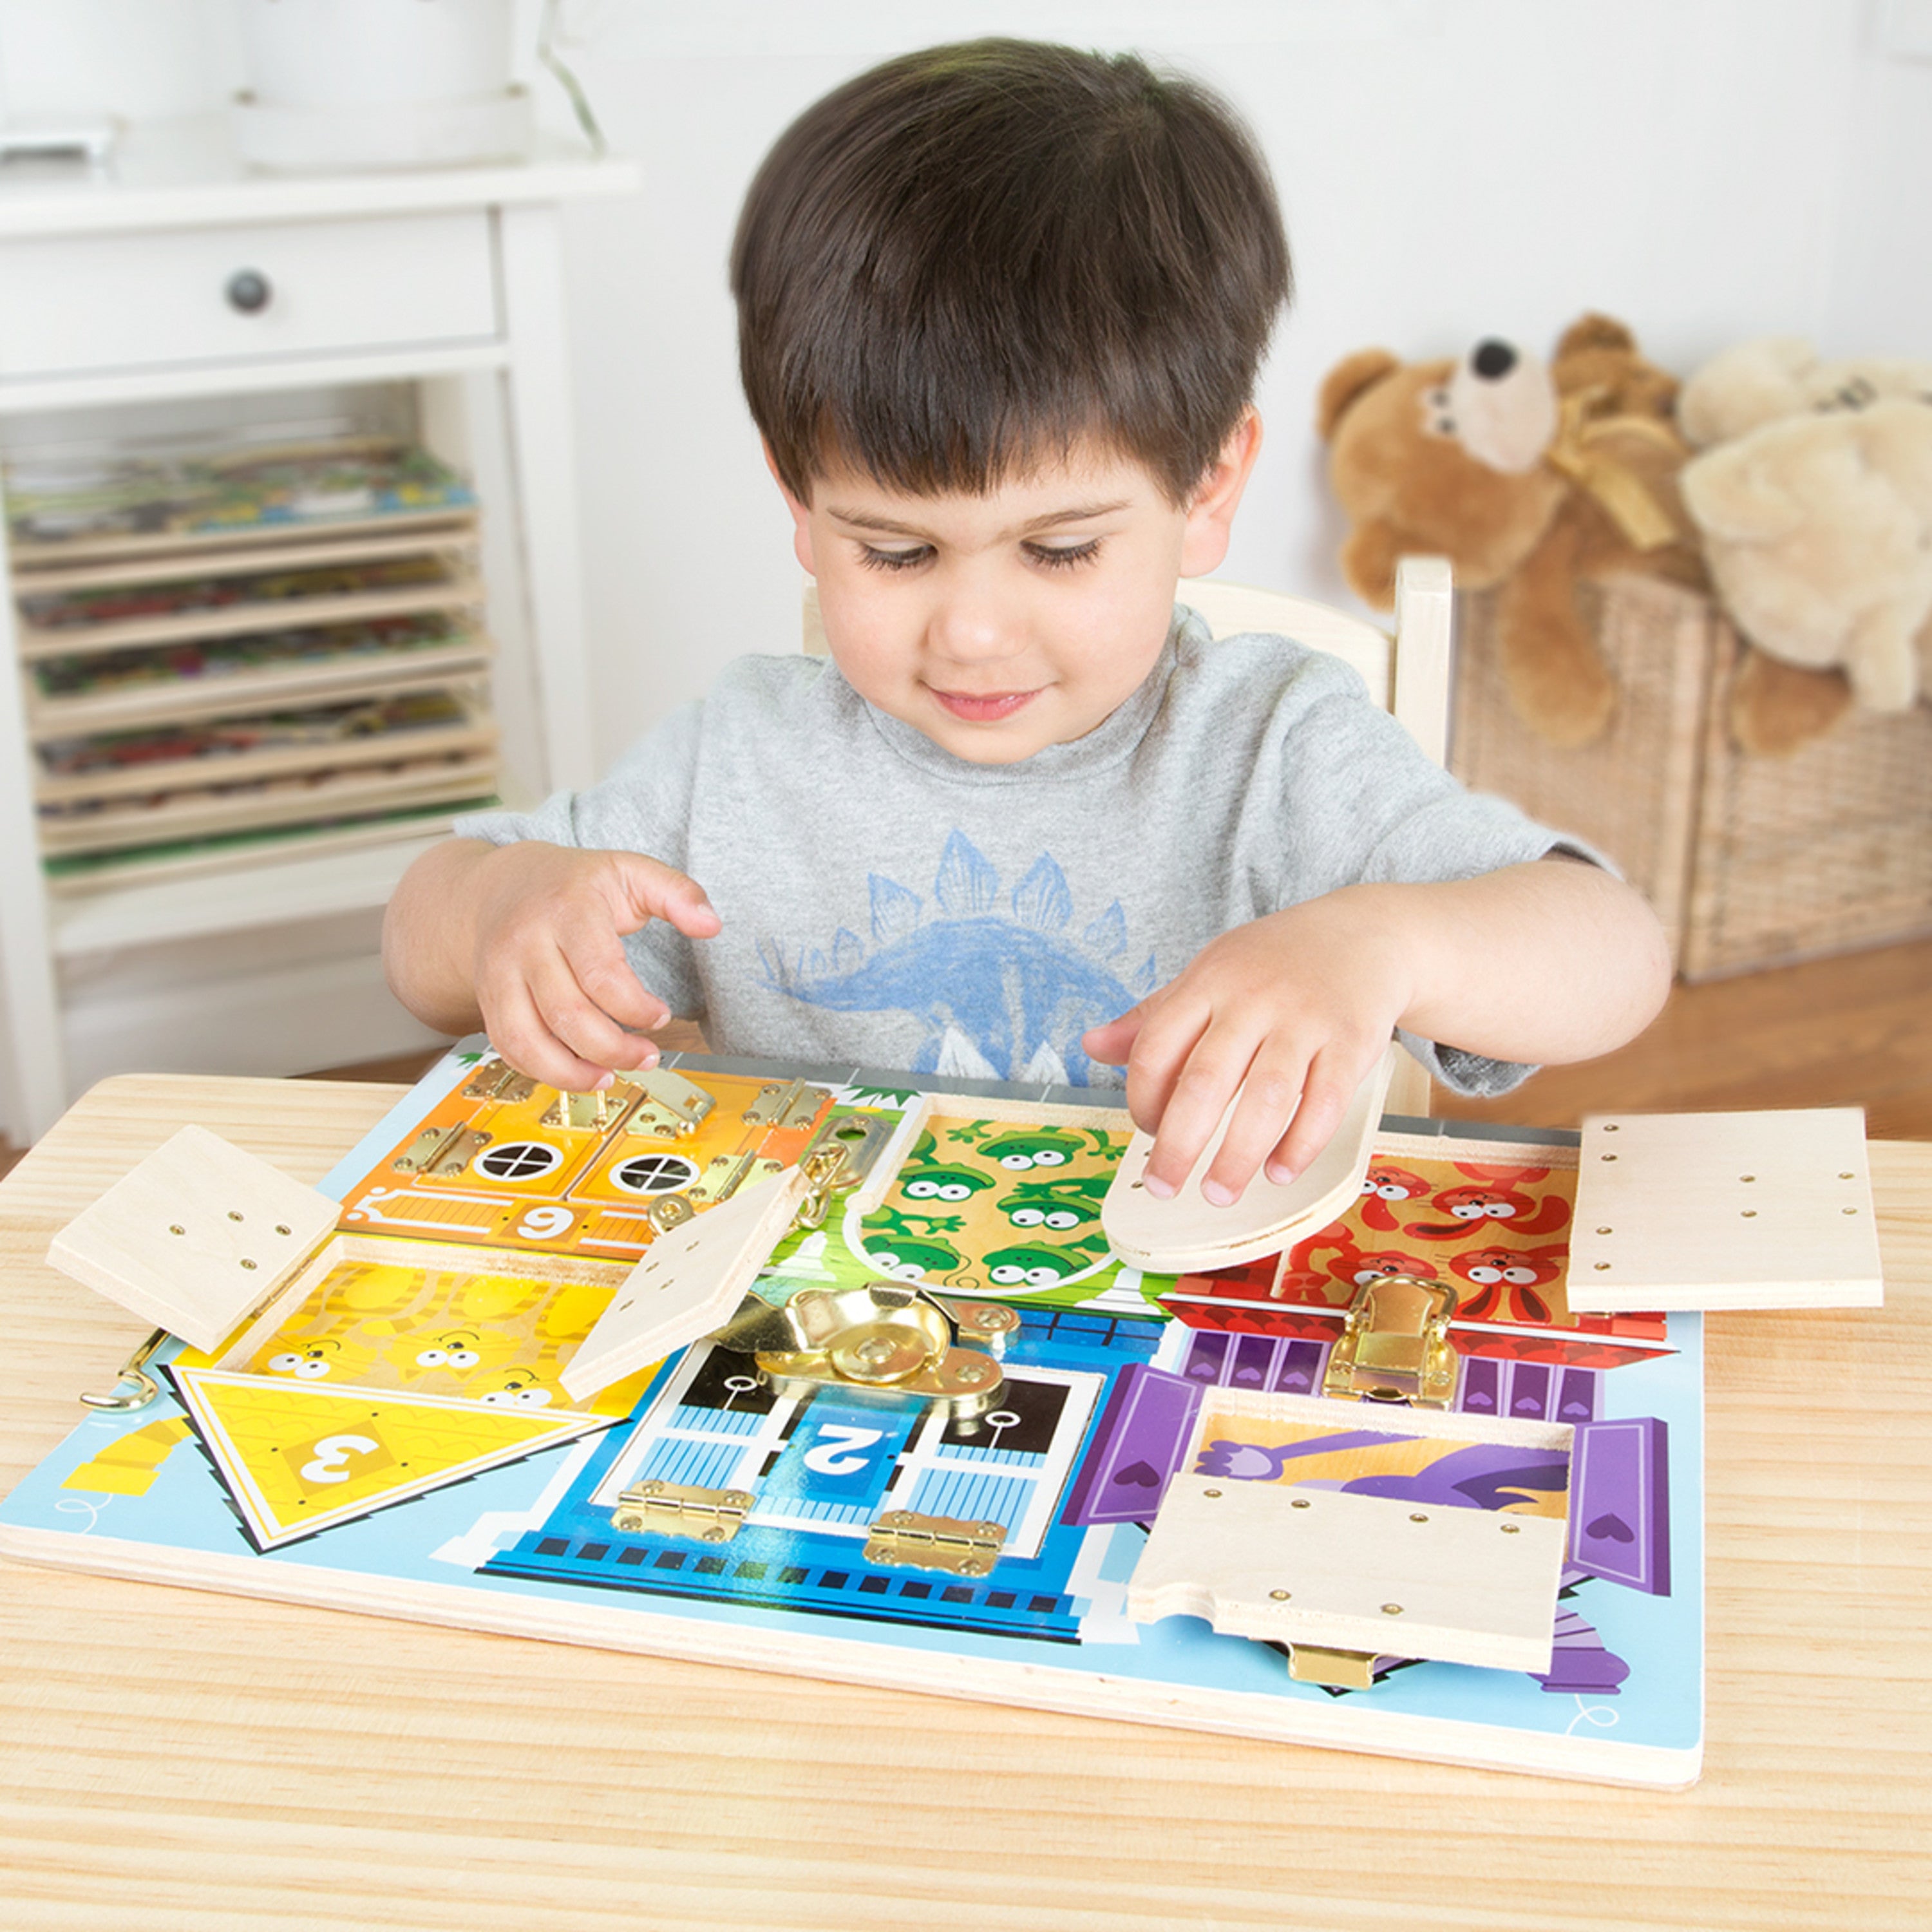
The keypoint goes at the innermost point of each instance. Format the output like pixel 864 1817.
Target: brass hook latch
pixel 135 1387
pixel 1395 1346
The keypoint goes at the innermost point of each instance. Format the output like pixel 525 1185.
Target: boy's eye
pixel 1063 557
pixel 874 559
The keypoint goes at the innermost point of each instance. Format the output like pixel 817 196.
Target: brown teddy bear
pixel 1527 477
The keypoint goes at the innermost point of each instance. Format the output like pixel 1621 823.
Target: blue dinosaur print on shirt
pixel 1004 991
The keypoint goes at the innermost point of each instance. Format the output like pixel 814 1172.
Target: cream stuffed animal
pixel 1813 493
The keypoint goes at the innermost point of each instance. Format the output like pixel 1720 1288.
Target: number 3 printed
pixel 332 1453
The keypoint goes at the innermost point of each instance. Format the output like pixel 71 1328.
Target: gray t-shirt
pixel 886 904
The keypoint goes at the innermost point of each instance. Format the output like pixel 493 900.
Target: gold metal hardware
pixel 589 1113
pixel 497 1080
pixel 680 1509
pixel 442 1151
pixel 1394 1346
pixel 669 1106
pixel 884 1340
pixel 135 1387
pixel 829 1172
pixel 724 1174
pixel 1339 1669
pixel 785 1104
pixel 900 1539
pixel 668 1211
pixel 982 1324
pixel 861 1138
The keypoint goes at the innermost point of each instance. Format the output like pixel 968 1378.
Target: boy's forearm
pixel 1546 963
pixel 429 936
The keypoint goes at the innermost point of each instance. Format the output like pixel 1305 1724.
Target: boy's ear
pixel 1210 510
pixel 801 514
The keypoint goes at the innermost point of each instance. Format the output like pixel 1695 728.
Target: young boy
pixel 1000 309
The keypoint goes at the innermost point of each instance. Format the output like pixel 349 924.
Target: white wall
pixel 1708 169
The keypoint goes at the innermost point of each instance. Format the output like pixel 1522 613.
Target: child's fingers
pixel 1270 1097
pixel 523 1035
pixel 1198 1087
pixel 1112 1042
pixel 658 891
pixel 1160 1054
pixel 1333 1079
pixel 571 1019
pixel 583 1023
pixel 599 970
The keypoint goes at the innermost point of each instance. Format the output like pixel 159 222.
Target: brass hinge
pixel 497 1080
pixel 441 1150
pixel 1395 1346
pixel 902 1540
pixel 785 1104
pixel 669 1106
pixel 588 1113
pixel 724 1174
pixel 680 1509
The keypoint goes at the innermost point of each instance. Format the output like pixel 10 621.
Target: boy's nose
pixel 970 626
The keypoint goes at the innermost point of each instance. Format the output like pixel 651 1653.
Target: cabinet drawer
pixel 81 304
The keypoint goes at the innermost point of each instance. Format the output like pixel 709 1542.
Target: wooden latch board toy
pixel 823 1513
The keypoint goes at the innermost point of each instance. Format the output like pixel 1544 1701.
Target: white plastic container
pixel 357 84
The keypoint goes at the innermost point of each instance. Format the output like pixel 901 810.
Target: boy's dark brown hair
pixel 965 261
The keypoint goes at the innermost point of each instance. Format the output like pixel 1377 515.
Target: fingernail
pixel 1217 1194
pixel 609 1080
pixel 1161 1190
pixel 1281 1176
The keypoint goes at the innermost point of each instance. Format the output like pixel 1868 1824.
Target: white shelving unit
pixel 118 295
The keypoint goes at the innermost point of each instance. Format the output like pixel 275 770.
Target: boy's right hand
pixel 557 995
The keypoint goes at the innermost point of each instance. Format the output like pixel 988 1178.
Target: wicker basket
pixel 1750 861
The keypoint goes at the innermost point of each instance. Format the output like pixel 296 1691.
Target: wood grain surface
pixel 178 1760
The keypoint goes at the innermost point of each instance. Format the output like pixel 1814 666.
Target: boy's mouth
pixel 985 709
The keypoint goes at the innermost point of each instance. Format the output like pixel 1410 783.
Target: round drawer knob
pixel 248 291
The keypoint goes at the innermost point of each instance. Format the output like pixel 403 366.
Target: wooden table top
pixel 172 1759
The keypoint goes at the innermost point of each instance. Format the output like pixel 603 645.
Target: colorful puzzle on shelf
pixel 813 1372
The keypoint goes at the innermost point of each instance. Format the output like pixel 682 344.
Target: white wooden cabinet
pixel 119 292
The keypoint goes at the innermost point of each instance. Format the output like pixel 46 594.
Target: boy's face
pixel 998 625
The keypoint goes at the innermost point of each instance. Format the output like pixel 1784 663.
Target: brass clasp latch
pixel 884 1339
pixel 1395 1346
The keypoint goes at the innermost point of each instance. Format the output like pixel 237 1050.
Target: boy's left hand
pixel 1293 1009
